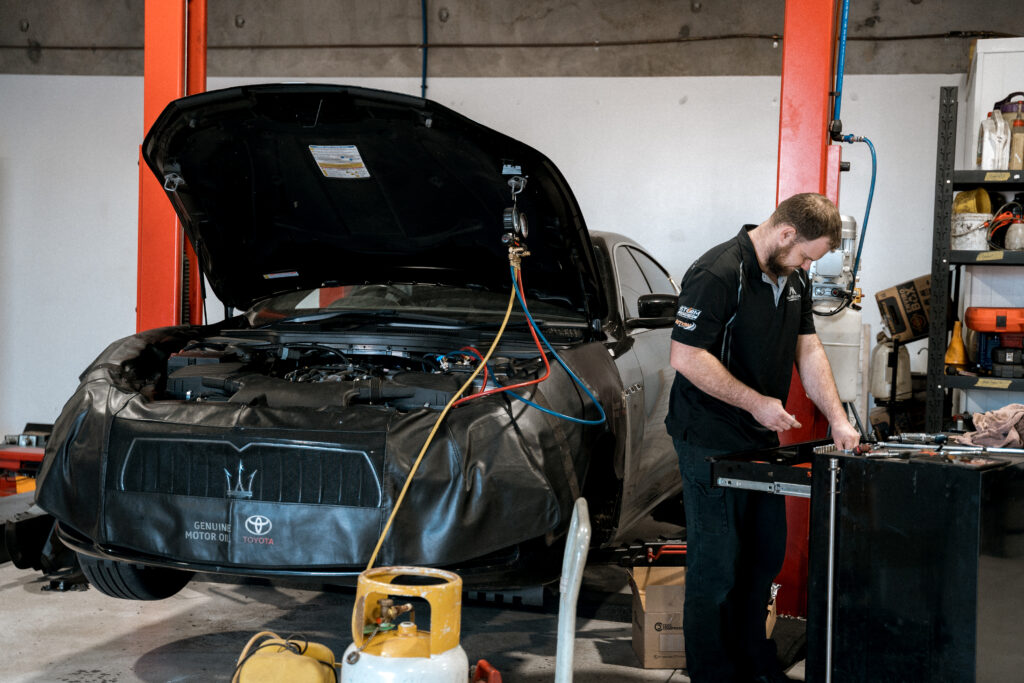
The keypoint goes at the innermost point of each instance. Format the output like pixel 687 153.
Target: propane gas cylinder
pixel 386 648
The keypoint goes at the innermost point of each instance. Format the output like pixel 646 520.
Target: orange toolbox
pixel 992 319
pixel 15 463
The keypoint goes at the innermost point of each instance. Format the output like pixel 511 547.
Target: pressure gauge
pixel 515 221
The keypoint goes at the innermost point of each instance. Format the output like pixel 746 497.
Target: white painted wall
pixel 676 163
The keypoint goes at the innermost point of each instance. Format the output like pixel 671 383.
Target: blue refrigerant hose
pixel 561 362
pixel 558 358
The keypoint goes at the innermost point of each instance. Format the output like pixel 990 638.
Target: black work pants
pixel 736 542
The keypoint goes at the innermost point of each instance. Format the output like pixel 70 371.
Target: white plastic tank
pixel 881 373
pixel 840 334
pixel 451 666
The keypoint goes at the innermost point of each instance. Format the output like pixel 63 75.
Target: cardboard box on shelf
pixel 658 594
pixel 904 308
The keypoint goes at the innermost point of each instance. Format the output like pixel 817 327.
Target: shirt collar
pixel 748 252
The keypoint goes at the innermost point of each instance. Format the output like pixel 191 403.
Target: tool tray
pixel 785 470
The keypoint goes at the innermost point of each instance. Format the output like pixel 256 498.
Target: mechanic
pixel 744 318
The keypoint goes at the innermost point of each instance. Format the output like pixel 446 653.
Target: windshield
pixel 458 303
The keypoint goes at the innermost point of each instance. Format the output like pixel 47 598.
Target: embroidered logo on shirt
pixel 688 313
pixel 689 327
pixel 792 295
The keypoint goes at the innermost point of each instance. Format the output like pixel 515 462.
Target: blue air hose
pixel 841 61
pixel 867 209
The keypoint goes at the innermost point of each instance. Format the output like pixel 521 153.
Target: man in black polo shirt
pixel 744 318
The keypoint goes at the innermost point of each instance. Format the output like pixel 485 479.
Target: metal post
pixel 938 332
pixel 833 493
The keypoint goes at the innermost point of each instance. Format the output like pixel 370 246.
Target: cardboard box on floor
pixel 658 616
pixel 658 596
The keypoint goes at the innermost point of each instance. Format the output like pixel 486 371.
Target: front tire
pixel 132 581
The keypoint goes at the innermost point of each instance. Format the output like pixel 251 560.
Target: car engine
pixel 318 375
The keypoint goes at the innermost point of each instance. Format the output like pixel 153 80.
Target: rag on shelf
pixel 997 428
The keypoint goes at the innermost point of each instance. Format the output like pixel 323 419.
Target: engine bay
pixel 316 374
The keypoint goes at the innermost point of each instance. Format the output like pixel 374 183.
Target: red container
pixel 991 319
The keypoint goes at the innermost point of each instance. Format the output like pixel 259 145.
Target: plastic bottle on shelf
pixel 956 352
pixel 986 134
pixel 1017 144
pixel 994 143
pixel 1002 141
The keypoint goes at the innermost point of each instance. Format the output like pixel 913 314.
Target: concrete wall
pixel 474 38
pixel 677 163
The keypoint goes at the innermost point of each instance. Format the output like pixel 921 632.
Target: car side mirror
pixel 656 310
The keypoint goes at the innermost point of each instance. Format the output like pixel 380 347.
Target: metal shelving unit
pixel 945 262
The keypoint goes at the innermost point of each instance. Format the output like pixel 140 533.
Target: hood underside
pixel 288 187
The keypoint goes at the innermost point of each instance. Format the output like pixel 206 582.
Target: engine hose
pixel 437 425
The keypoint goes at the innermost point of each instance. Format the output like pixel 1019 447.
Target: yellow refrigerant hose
pixel 514 258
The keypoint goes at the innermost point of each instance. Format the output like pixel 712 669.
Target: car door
pixel 650 470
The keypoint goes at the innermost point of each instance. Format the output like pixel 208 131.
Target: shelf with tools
pixel 947 266
pixel 986 258
pixel 988 383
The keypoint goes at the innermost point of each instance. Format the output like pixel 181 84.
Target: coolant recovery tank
pixel 881 373
pixel 840 334
pixel 387 650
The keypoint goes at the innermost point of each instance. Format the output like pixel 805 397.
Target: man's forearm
pixel 714 379
pixel 816 376
pixel 709 375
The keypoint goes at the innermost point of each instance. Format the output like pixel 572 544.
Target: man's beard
pixel 774 262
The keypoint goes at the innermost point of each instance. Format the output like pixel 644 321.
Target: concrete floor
pixel 86 637
pixel 83 636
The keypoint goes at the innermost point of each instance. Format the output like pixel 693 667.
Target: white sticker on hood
pixel 339 161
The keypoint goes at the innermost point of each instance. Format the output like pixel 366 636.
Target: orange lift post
pixel 807 163
pixel 174 64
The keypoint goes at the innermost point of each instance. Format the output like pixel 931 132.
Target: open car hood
pixel 288 187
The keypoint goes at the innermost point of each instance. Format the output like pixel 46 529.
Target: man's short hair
pixel 812 215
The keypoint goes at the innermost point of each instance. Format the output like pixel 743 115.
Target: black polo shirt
pixel 727 308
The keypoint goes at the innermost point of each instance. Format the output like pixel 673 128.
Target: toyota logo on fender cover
pixel 258 525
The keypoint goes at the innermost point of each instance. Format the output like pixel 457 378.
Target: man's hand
pixel 772 414
pixel 844 435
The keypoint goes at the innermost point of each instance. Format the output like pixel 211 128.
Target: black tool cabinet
pixel 928 574
pixel 926 550
pixel 948 265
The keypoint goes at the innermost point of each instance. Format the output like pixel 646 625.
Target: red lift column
pixel 807 163
pixel 167 52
